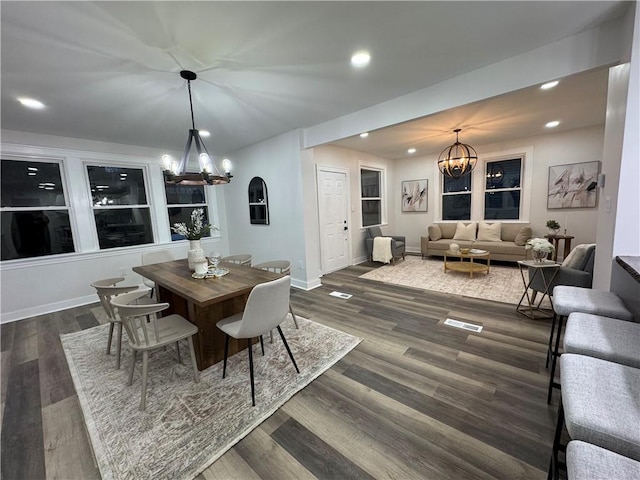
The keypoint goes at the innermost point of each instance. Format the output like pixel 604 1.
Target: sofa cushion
pixel 448 229
pixel 435 233
pixel 579 256
pixel 510 230
pixel 465 232
pixel 524 234
pixel 489 232
pixel 500 248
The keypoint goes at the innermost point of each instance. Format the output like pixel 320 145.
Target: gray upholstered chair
pixel 397 243
pixel 147 331
pixel 576 271
pixel 266 308
pixel 283 267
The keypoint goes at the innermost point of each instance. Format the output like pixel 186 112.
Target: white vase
pixel 195 254
pixel 553 232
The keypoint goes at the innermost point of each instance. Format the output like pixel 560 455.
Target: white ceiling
pixel 109 70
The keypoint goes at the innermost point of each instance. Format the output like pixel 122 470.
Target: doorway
pixel 333 213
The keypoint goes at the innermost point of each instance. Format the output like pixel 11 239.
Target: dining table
pixel 205 301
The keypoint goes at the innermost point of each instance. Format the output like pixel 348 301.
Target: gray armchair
pixel 579 274
pixel 397 243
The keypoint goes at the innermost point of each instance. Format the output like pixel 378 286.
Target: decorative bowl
pixel 464 250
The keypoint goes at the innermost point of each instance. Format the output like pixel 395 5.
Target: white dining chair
pixel 107 289
pixel 239 259
pixel 266 308
pixel 283 267
pixel 147 331
pixel 149 258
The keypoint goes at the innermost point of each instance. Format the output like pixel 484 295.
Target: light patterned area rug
pixel 502 284
pixel 187 426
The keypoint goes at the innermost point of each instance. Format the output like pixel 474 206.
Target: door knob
pixel 346 228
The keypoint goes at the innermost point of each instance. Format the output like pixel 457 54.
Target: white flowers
pixel 539 245
pixel 197 227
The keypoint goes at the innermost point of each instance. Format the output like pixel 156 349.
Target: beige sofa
pixel 510 248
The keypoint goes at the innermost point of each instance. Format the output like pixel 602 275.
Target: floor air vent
pixel 340 295
pixel 463 325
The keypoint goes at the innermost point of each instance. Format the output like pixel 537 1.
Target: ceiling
pixel 109 70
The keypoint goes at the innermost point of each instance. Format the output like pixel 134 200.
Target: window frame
pixel 60 161
pixel 204 205
pixel 444 194
pixel 520 188
pixel 93 208
pixel 381 199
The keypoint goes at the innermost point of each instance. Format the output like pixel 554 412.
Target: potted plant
pixel 193 232
pixel 540 248
pixel 553 227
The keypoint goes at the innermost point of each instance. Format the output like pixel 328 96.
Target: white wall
pixel 278 162
pixel 45 284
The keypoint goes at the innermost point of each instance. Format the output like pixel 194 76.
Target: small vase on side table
pixel 195 254
pixel 539 256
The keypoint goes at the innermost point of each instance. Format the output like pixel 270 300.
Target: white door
pixel 333 214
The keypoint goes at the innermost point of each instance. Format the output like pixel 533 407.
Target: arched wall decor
pixel 258 202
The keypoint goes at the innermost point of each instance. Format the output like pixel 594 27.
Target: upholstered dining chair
pixel 283 267
pixel 240 259
pixel 107 289
pixel 265 310
pixel 147 331
pixel 157 256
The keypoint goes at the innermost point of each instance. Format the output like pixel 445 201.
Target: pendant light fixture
pixel 175 173
pixel 458 159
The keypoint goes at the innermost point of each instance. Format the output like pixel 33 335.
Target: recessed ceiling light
pixel 364 135
pixel 553 124
pixel 360 59
pixel 549 85
pixel 411 150
pixel 31 103
pixel 204 133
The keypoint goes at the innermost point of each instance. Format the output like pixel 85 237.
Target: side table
pixel 555 239
pixel 530 310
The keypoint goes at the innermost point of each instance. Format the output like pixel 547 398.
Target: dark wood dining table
pixel 205 301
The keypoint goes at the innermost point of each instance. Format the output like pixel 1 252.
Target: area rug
pixel 502 284
pixel 187 426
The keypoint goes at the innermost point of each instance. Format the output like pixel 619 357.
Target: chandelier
pixel 458 159
pixel 175 173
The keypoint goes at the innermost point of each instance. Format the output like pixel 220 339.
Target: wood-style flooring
pixel 415 400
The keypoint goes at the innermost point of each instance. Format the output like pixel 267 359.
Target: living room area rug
pixel 187 426
pixel 502 284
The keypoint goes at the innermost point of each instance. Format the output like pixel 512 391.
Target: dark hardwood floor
pixel 415 400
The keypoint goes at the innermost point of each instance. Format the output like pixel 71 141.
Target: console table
pixel 555 239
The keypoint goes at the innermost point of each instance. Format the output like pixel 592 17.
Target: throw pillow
pixel 467 232
pixel 434 232
pixel 489 232
pixel 578 257
pixel 523 235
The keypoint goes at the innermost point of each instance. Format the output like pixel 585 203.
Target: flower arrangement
pixel 196 229
pixel 553 225
pixel 539 245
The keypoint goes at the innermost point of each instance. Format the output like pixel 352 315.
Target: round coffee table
pixel 468 266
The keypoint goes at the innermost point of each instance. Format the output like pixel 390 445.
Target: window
pixel 120 206
pixel 258 202
pixel 34 212
pixel 456 197
pixel 502 189
pixel 181 201
pixel 371 196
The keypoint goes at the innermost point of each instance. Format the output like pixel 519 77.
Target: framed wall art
pixel 573 185
pixel 414 195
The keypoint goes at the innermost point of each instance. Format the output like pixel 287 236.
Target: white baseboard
pixel 44 309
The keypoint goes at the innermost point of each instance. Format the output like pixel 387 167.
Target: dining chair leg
pixel 554 464
pixel 554 359
pixel 549 349
pixel 226 351
pixel 286 345
pixel 295 320
pixel 110 338
pixel 132 366
pixel 271 336
pixel 119 346
pixel 262 345
pixel 145 369
pixel 192 352
pixel 253 395
pixel 178 352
